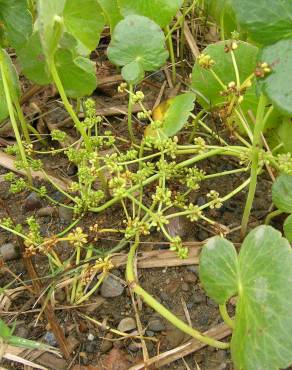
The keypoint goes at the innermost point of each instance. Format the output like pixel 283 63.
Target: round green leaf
pixel 288 228
pixel 178 113
pixel 17 21
pixel 222 12
pixel 218 269
pixel 138 39
pixel 77 74
pixel 208 87
pixel 13 83
pixel 262 277
pixel 277 84
pixel 160 11
pixel 263 321
pixel 267 21
pixel 33 61
pixel 133 72
pixel 112 12
pixel 282 193
pixel 50 23
pixel 84 22
pixel 284 132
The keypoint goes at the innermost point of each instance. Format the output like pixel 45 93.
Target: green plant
pixel 282 198
pixel 7 337
pixel 260 278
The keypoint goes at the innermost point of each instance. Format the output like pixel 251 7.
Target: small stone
pixel 72 169
pixel 149 333
pixel 174 337
pixel 9 251
pixel 60 296
pixel 185 287
pixel 90 337
pixel 134 346
pixel 50 339
pixel 46 211
pixel 201 201
pixel 65 214
pixel 111 288
pixel 22 331
pixel 106 344
pixel 127 324
pixel 194 269
pixel 199 298
pixel 190 278
pixel 155 324
pixel 202 235
pixel 90 346
pixel 32 202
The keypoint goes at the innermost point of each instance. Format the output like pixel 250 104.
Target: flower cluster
pixel 216 202
pixel 177 246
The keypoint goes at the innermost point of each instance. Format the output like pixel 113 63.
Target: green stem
pixel 12 118
pixel 271 215
pixel 225 316
pixel 96 286
pixel 23 123
pixel 130 108
pixel 256 146
pixel 68 106
pixel 171 54
pixel 159 308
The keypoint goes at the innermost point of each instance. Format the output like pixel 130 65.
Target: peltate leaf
pixel 50 23
pixel 208 87
pixel 160 11
pixel 284 132
pixel 288 228
pixel 223 13
pixel 112 12
pixel 218 269
pixel 33 61
pixel 263 279
pixel 17 21
pixel 13 83
pixel 133 72
pixel 277 84
pixel 139 39
pixel 267 21
pixel 77 74
pixel 178 113
pixel 282 193
pixel 84 22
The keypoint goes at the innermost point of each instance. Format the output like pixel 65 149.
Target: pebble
pixel 22 331
pixel 199 297
pixel 9 251
pixel 149 333
pixel 46 211
pixel 90 337
pixel 202 235
pixel 185 287
pixel 127 324
pixel 111 288
pixel 90 346
pixel 155 324
pixel 72 170
pixel 32 202
pixel 65 214
pixel 201 201
pixel 50 339
pixel 175 337
pixel 191 278
pixel 194 269
pixel 134 346
pixel 106 344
